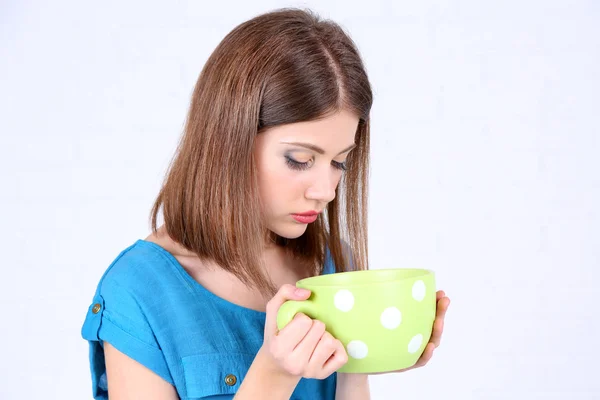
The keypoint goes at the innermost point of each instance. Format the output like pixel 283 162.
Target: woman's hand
pixel 443 303
pixel 303 348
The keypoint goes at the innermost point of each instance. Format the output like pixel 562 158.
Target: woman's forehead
pixel 333 133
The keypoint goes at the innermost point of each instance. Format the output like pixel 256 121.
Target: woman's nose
pixel 322 188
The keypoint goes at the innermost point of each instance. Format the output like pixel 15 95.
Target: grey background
pixel 485 147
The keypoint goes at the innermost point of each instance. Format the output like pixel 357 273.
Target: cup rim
pixel 423 272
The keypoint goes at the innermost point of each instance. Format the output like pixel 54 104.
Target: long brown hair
pixel 280 67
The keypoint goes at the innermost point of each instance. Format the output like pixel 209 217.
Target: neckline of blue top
pixel 195 284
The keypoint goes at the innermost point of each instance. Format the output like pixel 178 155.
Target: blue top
pixel 148 307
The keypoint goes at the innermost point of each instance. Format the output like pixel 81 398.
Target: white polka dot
pixel 344 300
pixel 415 343
pixel 391 318
pixel 357 349
pixel 418 290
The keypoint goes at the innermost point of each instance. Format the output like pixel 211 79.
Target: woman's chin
pixel 290 231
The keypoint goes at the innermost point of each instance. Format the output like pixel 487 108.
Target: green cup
pixel 384 318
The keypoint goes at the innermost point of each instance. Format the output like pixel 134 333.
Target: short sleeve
pixel 115 316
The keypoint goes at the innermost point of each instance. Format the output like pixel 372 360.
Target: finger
pixel 438 324
pixel 426 356
pixel 285 293
pixel 323 351
pixel 307 345
pixel 442 307
pixel 337 360
pixel 294 332
pixel 439 294
pixel 438 330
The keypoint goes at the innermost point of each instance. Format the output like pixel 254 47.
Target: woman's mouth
pixel 306 217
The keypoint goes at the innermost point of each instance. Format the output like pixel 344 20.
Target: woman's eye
pixel 339 165
pixel 301 166
pixel 297 165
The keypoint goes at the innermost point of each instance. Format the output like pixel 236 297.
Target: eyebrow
pixel 317 148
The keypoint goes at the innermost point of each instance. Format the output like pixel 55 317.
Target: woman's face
pixel 299 167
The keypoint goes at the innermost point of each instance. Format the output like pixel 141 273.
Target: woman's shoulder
pixel 128 310
pixel 139 267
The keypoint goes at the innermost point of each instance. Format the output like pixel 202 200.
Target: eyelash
pixel 301 166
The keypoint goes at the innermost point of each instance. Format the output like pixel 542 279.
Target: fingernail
pixel 301 292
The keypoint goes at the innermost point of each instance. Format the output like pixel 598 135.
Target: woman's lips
pixel 306 217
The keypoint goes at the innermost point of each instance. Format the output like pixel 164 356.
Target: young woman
pixel 268 186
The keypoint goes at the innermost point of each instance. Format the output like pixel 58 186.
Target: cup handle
pixel 290 308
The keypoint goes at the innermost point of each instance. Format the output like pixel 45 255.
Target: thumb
pixel 285 293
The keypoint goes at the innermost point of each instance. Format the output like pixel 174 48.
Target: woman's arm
pixel 264 382
pixel 352 387
pixel 128 379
